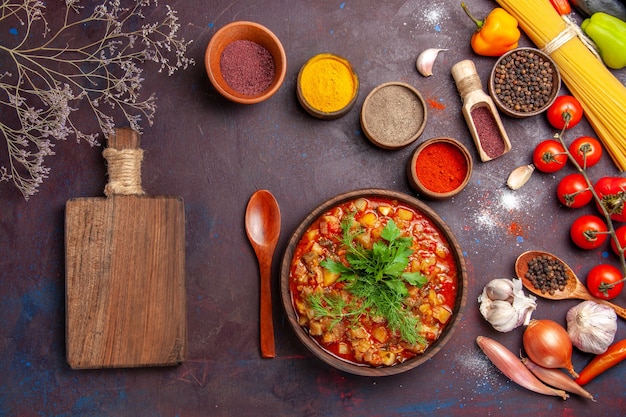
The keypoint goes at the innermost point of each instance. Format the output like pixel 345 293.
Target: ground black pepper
pixel 247 67
pixel 523 81
pixel 488 132
pixel 394 115
pixel 547 274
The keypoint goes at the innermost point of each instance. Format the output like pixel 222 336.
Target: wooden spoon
pixel 263 229
pixel 574 289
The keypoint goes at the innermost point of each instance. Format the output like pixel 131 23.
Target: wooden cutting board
pixel 125 270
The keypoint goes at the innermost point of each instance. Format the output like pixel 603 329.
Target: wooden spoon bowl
pixel 574 288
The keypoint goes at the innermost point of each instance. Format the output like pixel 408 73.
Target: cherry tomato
pixel 549 156
pixel 565 108
pixel 586 150
pixel 612 194
pixel 573 191
pixel 588 232
pixel 620 233
pixel 599 278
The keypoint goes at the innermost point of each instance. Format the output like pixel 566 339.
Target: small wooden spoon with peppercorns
pixel 574 288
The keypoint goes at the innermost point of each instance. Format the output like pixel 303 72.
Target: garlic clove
pixel 520 176
pixel 426 60
pixel 499 289
pixel 524 306
pixel 502 316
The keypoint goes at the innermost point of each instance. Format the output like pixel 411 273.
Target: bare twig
pixel 45 77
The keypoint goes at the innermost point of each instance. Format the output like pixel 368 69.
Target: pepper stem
pixel 479 23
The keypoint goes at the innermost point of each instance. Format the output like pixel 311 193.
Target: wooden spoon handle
pixel 268 349
pixel 620 311
pixel 583 293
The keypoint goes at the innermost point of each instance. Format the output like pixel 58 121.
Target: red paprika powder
pixel 441 167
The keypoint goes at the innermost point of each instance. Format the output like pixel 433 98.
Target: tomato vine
pixel 619 248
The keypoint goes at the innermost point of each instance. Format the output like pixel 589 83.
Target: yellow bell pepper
pixel 496 34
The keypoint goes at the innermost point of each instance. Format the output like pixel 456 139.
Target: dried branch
pixel 43 79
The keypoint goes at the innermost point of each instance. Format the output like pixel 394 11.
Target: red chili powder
pixel 441 167
pixel 247 67
pixel 436 104
pixel 488 132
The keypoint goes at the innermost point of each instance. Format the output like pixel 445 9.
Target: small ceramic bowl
pixel 506 74
pixel 430 168
pixel 393 115
pixel 248 31
pixel 316 102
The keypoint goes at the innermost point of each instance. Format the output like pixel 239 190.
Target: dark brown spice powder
pixel 247 67
pixel 488 132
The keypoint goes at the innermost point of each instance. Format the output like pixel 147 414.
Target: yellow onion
pixel 547 344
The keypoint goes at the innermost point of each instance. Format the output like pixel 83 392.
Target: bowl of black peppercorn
pixel 524 82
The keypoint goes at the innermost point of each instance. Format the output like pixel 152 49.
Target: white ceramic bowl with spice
pixel 524 82
pixel 393 115
pixel 327 86
pixel 245 62
pixel 440 168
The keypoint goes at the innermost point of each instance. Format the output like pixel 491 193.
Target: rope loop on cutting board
pixel 124 169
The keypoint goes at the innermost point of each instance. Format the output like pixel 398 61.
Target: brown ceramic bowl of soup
pixel 245 62
pixel 343 319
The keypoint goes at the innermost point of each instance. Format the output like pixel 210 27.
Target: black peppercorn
pixel 523 81
pixel 547 274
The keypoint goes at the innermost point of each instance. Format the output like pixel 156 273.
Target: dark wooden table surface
pixel 215 154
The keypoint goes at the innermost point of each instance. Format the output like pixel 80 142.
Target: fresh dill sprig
pixel 333 306
pixel 377 276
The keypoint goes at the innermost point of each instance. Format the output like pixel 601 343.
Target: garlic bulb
pixel 591 326
pixel 504 305
pixel 426 60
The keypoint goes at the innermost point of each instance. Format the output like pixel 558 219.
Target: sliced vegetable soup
pixel 373 281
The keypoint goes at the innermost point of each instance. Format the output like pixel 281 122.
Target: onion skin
pixel 513 368
pixel 557 379
pixel 547 344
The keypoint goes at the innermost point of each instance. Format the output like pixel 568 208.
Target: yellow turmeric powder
pixel 327 83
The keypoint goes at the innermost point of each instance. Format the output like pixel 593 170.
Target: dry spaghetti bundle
pixel 602 96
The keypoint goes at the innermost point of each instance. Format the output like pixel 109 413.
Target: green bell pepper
pixel 609 34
